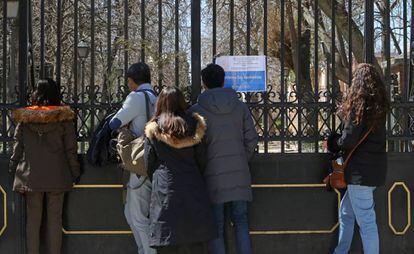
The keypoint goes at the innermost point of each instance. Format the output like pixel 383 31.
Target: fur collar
pixel 152 131
pixel 41 114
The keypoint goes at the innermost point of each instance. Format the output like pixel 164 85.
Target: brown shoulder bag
pixel 131 148
pixel 336 179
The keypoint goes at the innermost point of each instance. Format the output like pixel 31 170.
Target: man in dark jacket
pixel 229 142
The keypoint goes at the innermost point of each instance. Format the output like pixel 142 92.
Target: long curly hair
pixel 366 99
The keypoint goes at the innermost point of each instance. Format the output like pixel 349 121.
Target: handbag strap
pixel 147 99
pixel 357 145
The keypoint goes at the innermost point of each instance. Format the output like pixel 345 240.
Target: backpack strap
pixel 147 112
pixel 147 100
pixel 149 91
pixel 147 109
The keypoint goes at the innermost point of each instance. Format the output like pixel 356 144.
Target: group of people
pixel 197 160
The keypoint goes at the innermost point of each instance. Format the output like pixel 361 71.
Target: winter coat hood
pixel 45 152
pixel 43 114
pixel 219 100
pixel 152 131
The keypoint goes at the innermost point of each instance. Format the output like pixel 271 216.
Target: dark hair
pixel 213 76
pixel 140 73
pixel 170 109
pixel 47 93
pixel 366 98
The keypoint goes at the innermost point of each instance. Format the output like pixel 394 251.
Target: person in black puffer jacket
pixel 363 111
pixel 181 218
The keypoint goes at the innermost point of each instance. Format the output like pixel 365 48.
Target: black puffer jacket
pixel 368 164
pixel 180 211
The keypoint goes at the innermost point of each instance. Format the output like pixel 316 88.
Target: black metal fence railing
pixel 311 48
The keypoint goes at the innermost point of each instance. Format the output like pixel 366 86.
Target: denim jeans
pixel 240 220
pixel 137 212
pixel 358 205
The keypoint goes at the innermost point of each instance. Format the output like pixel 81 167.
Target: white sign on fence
pixel 244 73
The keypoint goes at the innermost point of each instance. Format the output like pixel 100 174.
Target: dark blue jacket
pixel 230 141
pixel 100 151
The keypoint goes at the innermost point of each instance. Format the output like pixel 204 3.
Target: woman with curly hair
pixel 362 111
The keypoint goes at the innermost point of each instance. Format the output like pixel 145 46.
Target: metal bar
pixel 92 77
pixel 335 89
pixel 195 49
pixel 387 51
pixel 42 39
pixel 23 78
pixel 59 42
pixel 316 66
pixel 75 52
pixel 75 97
pixel 248 21
pixel 265 94
pixel 405 85
pixel 298 73
pixel 143 30
pixel 265 27
pixel 231 27
pixel 160 74
pixel 411 82
pixel 214 28
pixel 350 58
pixel 109 49
pixel 126 38
pixel 405 52
pixel 23 61
pixel 214 32
pixel 4 76
pixel 369 31
pixel 177 43
pixel 282 71
pixel 30 50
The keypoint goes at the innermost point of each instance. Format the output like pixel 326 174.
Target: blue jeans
pixel 240 220
pixel 358 205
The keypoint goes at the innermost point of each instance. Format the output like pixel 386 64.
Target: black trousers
pixel 195 248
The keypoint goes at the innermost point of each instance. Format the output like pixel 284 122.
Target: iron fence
pixel 311 48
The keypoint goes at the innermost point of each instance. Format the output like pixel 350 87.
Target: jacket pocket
pixel 160 188
pixel 160 233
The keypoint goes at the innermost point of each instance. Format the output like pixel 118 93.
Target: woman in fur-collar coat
pixel 180 211
pixel 44 162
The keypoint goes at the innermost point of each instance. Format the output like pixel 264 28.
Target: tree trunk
pixel 341 18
